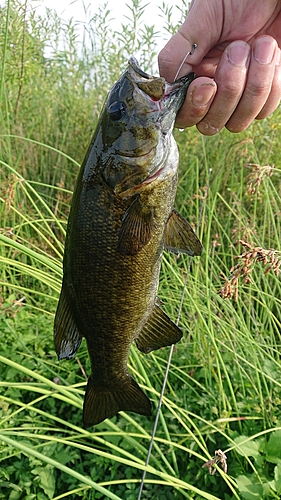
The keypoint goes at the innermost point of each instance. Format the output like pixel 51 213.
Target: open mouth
pixel 168 89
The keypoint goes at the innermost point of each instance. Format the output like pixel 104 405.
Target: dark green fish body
pixel 121 219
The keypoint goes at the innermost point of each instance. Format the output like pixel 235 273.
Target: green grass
pixel 224 384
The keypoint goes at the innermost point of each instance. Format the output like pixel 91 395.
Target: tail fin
pixel 100 404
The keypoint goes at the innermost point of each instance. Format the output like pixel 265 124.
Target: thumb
pixel 195 30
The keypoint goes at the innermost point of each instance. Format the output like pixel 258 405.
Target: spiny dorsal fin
pixel 180 237
pixel 136 229
pixel 159 331
pixel 67 338
pixel 100 403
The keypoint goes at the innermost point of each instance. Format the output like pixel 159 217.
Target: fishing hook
pixel 189 53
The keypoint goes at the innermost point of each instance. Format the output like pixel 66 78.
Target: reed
pixel 224 385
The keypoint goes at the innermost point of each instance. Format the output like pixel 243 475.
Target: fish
pixel 121 219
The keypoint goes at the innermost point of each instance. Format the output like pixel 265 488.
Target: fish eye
pixel 116 110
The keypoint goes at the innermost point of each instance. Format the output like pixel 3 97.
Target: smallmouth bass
pixel 120 221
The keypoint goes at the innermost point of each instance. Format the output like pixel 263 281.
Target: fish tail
pixel 100 403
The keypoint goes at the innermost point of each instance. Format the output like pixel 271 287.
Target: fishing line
pixel 190 52
pixel 162 393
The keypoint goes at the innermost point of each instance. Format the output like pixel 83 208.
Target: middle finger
pixel 230 77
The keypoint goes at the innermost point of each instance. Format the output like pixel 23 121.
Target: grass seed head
pixel 256 176
pixel 271 259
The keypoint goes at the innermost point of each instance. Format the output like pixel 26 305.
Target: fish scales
pixel 121 219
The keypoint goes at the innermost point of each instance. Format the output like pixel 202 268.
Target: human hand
pixel 237 61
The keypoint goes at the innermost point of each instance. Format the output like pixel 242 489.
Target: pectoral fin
pixel 67 338
pixel 100 403
pixel 159 331
pixel 180 237
pixel 136 229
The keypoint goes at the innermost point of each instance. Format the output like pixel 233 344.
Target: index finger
pixel 174 53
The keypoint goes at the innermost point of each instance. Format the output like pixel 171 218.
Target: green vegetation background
pixel 224 386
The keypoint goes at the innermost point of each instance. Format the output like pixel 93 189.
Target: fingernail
pixel 264 50
pixel 238 53
pixel 203 94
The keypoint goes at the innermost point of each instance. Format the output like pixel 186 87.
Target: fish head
pixel 136 127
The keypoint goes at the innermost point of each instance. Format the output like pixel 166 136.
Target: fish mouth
pixel 157 88
pixel 135 66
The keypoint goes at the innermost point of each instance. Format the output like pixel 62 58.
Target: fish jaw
pixel 135 130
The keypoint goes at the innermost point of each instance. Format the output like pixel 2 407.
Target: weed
pixel 224 385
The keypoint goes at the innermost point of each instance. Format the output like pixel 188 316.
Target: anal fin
pixel 159 331
pixel 180 237
pixel 67 337
pixel 100 403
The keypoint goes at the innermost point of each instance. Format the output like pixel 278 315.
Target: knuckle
pixel 230 88
pixel 258 89
pixel 206 128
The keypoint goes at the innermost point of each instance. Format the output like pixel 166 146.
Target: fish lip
pixel 135 66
